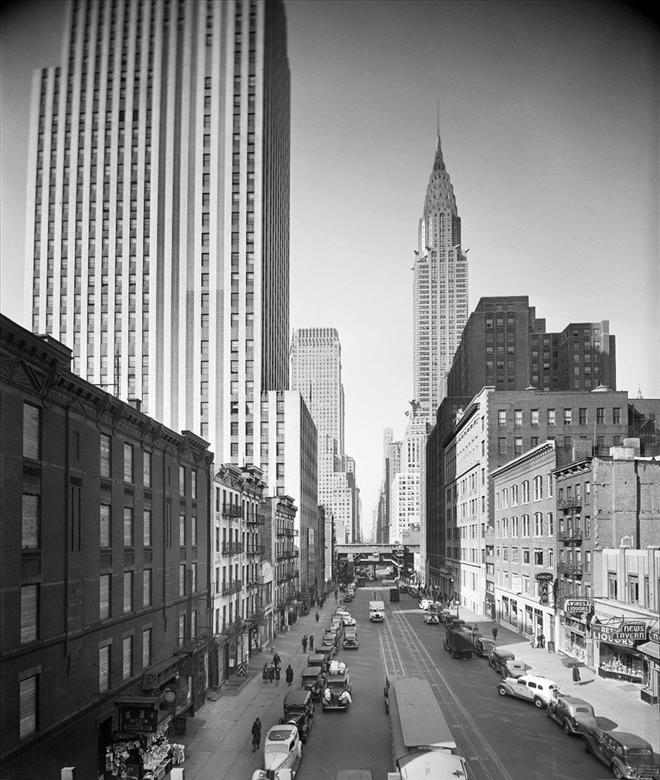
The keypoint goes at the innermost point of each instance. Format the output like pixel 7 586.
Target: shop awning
pixel 652 649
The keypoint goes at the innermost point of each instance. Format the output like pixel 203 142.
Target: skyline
pixel 548 121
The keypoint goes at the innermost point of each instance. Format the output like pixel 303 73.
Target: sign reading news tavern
pixel 625 634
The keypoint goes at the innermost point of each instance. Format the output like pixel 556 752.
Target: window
pixel 534 416
pixel 30 525
pixel 538 557
pixel 128 526
pixel 182 579
pixel 31 431
pixel 182 530
pixel 146 588
pixel 616 416
pixel 633 589
pixel 146 647
pixel 538 524
pixel 104 668
pixel 29 613
pixel 501 445
pixel 525 556
pixel 28 704
pixel 568 416
pixel 104 596
pixel 193 484
pixel 193 530
pixel 582 416
pixel 105 528
pixel 146 528
pixel 181 630
pixel 550 485
pixel 517 445
pixel 525 491
pixel 105 454
pixel 550 524
pixel 501 417
pixel 518 418
pixel 551 416
pixel 193 577
pixel 146 469
pixel 193 624
pixel 128 591
pixel 182 481
pixel 126 657
pixel 128 462
pixel 538 488
pixel 600 415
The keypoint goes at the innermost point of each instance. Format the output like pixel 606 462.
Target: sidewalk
pixel 615 700
pixel 218 737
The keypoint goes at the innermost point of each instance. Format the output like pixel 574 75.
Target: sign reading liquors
pixel 625 634
pixel 576 606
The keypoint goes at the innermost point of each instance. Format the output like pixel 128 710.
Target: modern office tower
pixel 505 345
pixel 440 290
pixel 158 208
pixel 289 451
pixel 316 374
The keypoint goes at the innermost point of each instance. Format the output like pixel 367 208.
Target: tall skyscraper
pixel 440 290
pixel 316 374
pixel 158 210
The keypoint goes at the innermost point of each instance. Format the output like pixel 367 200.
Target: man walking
pixel 277 661
pixel 311 643
pixel 289 674
pixel 494 633
pixel 303 641
pixel 317 616
pixel 256 734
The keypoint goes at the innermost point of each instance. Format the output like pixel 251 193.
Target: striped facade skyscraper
pixel 440 290
pixel 158 208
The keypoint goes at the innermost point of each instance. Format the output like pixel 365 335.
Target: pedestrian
pixel 317 616
pixel 336 595
pixel 303 642
pixel 289 674
pixel 256 734
pixel 277 674
pixel 494 633
pixel 311 643
pixel 541 640
pixel 264 674
pixel 271 672
pixel 576 675
pixel 277 661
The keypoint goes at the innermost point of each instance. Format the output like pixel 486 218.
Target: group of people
pixel 307 641
pixel 272 671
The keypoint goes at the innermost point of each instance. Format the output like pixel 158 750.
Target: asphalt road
pixel 502 738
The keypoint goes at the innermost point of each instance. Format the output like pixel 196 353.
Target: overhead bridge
pixel 373 553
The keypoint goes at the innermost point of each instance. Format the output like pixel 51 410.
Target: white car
pixel 425 603
pixel 540 690
pixel 431 618
pixel 349 620
pixel 282 748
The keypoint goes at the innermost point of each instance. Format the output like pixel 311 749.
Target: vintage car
pixel 425 603
pixel 348 620
pixel 348 597
pixel 282 748
pixel 432 618
pixel 497 659
pixel 539 690
pixel 337 691
pixel 330 635
pixel 317 659
pixel 350 640
pixel 627 755
pixel 483 645
pixel 572 714
pixel 299 711
pixel 313 680
pixel 328 650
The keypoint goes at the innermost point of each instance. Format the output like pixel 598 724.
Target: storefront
pixel 651 652
pixel 615 650
pixel 573 636
pixel 194 667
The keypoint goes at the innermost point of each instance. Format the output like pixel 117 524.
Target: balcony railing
pixel 232 548
pixel 232 510
pixel 233 586
pixel 255 549
pixel 286 554
pixel 570 535
pixel 256 519
pixel 571 502
pixel 570 568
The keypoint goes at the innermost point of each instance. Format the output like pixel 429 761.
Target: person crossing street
pixel 289 674
pixel 256 734
pixel 303 641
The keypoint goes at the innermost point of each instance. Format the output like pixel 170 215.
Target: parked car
pixel 425 603
pixel 313 680
pixel 328 649
pixel 432 619
pixel 572 714
pixel 497 658
pixel 299 711
pixel 317 659
pixel 483 646
pixel 458 641
pixel 452 621
pixel 627 755
pixel 539 690
pixel 337 694
pixel 515 667
pixel 348 620
pixel 282 748
pixel 348 597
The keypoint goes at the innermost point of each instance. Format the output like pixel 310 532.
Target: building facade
pixel 440 290
pixel 105 571
pixel 158 208
pixel 521 544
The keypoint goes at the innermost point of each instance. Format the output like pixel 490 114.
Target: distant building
pixel 440 290
pixel 105 564
pixel 283 552
pixel 506 346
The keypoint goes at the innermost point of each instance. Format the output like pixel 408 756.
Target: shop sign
pixel 624 634
pixel 576 606
pixel 138 719
pixel 544 576
pixel 654 635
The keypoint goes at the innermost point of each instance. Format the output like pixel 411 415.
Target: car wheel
pixel 538 703
pixel 501 690
pixel 616 771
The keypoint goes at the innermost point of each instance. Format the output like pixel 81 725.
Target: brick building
pixel 104 579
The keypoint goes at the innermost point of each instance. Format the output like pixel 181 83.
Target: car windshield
pixel 638 753
pixel 279 735
pixel 278 747
pixel 335 684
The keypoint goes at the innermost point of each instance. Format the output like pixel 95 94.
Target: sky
pixel 549 117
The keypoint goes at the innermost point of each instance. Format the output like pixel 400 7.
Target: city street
pixel 503 738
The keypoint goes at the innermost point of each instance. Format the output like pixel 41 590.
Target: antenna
pixel 437 118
